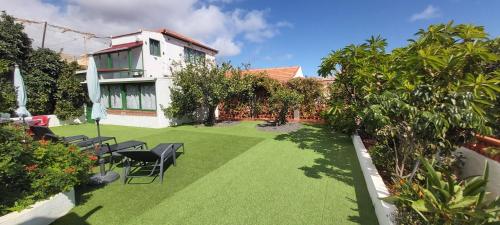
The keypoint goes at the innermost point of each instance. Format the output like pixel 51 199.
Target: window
pixel 132 95
pixel 192 56
pixel 148 96
pixel 105 96
pixel 154 47
pixel 129 96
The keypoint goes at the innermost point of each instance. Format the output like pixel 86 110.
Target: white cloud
pixel 223 29
pixel 429 12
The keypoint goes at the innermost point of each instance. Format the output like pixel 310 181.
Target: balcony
pixel 118 73
pixel 120 61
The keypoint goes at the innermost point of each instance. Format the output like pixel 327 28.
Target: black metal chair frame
pixel 133 164
pixel 44 133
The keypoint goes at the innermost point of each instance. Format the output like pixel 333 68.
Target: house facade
pixel 135 75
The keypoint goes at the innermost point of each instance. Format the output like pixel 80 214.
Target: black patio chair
pixel 140 161
pixel 44 133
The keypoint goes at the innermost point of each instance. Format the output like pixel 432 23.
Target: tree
pixel 420 100
pixel 7 95
pixel 201 85
pixel 70 95
pixel 282 100
pixel 15 46
pixel 41 74
pixel 359 70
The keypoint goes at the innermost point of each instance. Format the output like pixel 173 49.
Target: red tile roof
pixel 282 74
pixel 175 35
pixel 120 47
pixel 184 38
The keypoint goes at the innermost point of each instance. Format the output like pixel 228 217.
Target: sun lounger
pixel 140 161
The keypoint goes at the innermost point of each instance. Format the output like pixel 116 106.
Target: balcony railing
pixel 117 73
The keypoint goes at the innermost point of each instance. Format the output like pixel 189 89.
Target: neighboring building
pixel 282 74
pixel 135 74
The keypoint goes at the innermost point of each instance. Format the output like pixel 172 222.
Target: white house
pixel 135 74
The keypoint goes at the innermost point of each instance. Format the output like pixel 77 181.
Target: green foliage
pixel 7 96
pixel 15 46
pixel 359 70
pixel 283 100
pixel 31 171
pixel 443 200
pixel 41 75
pixel 250 91
pixel 200 85
pixel 423 99
pixel 70 95
pixel 311 90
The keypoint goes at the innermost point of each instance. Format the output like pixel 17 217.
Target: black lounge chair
pixel 142 160
pixel 44 133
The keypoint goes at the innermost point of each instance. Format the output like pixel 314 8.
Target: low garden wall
pixel 374 183
pixel 43 212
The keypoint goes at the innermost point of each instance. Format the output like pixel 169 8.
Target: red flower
pixel 43 142
pixel 93 157
pixel 72 148
pixel 71 169
pixel 31 168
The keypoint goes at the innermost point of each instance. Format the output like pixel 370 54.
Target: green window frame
pixel 123 96
pixel 154 47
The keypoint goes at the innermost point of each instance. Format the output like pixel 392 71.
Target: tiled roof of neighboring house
pixel 184 38
pixel 282 74
pixel 120 47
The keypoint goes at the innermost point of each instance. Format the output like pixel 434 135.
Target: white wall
pixel 374 183
pixel 134 121
pixel 299 72
pixel 43 212
pixel 163 100
pixel 474 166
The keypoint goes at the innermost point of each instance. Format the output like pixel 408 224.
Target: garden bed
pixel 43 212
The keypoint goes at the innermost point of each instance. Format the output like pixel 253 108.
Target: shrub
pixel 282 101
pixel 32 171
pixel 441 199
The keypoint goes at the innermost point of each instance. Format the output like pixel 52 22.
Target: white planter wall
pixel 474 166
pixel 43 212
pixel 374 183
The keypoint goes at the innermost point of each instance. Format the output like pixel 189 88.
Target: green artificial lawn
pixel 233 175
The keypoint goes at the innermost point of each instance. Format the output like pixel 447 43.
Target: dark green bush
pixel 35 170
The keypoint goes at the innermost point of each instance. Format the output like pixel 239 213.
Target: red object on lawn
pixel 42 120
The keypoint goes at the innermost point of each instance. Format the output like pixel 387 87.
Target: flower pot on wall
pixel 43 212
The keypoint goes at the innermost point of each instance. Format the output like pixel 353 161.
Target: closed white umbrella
pixel 22 99
pixel 98 113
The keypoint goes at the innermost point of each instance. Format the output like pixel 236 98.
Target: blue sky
pixel 262 33
pixel 321 26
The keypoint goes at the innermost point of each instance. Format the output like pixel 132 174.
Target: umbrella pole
pixel 102 170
